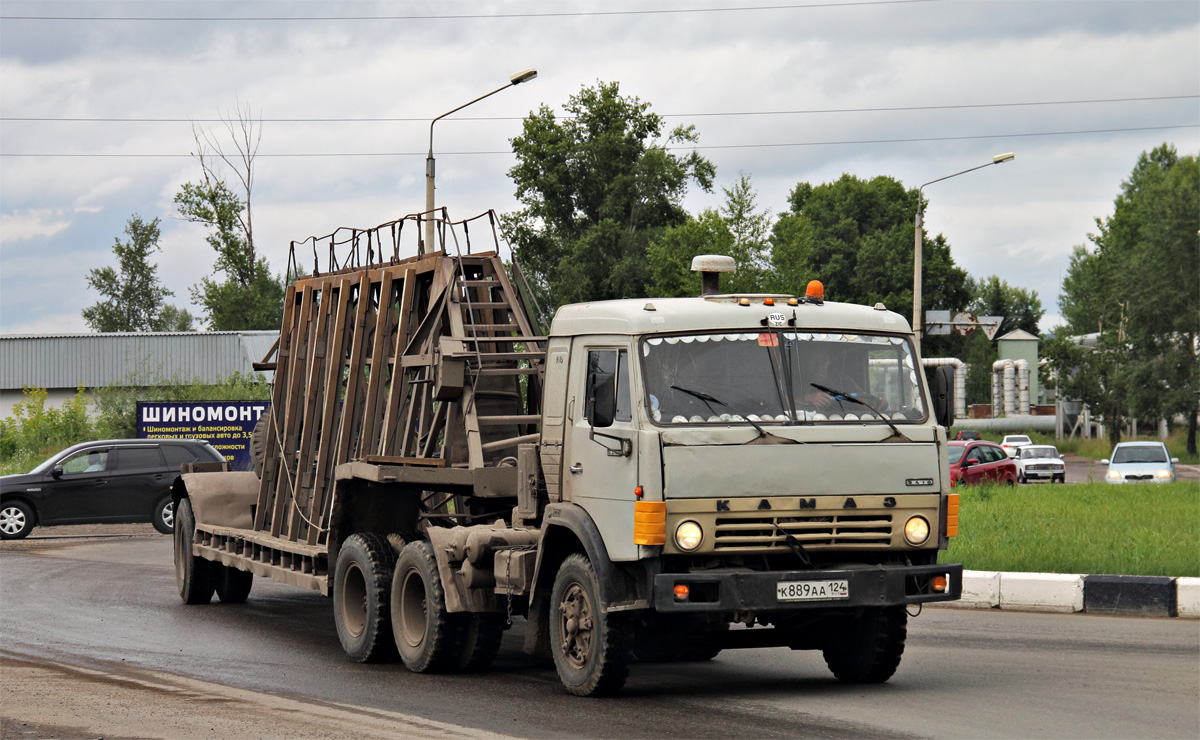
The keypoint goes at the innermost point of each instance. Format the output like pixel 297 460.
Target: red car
pixel 980 462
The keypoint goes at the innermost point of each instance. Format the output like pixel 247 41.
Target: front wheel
pixel 195 577
pixel 361 580
pixel 592 650
pixel 164 515
pixel 866 647
pixel 16 520
pixel 1022 479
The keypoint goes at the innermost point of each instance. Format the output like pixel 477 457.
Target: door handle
pixel 101 483
pixel 576 468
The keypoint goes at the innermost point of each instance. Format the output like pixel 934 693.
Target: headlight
pixel 688 536
pixel 1164 473
pixel 1114 475
pixel 916 530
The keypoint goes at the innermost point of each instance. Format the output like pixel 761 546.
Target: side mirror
pixel 1174 461
pixel 602 399
pixel 971 461
pixel 56 471
pixel 943 396
pixel 1104 461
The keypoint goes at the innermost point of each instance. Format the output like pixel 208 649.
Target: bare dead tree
pixel 244 131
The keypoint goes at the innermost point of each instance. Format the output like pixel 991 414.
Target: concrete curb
pixel 1138 596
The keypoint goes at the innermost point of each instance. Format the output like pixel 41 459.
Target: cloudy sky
pixel 96 100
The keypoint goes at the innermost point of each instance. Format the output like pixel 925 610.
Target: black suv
pixel 108 481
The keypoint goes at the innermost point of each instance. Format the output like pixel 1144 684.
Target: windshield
pixel 780 377
pixel 1140 454
pixel 1031 453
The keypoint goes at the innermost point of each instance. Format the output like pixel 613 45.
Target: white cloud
pixel 21 225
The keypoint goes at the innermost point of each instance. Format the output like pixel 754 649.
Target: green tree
pixel 1021 308
pixel 597 187
pixel 856 237
pixel 132 298
pixel 1137 288
pixel 248 296
pixel 738 229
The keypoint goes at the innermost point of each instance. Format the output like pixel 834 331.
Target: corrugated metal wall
pixel 95 360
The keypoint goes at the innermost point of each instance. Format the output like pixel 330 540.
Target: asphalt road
pixel 109 606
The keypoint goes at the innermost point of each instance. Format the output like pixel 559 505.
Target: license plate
pixel 812 590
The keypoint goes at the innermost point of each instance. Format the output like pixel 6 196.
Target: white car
pixel 1040 462
pixel 1014 442
pixel 1140 462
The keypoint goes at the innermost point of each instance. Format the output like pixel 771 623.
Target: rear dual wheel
pixel 361 580
pixel 195 577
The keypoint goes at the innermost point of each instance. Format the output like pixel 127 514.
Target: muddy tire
pixel 361 582
pixel 426 634
pixel 164 515
pixel 479 637
pixel 233 585
pixel 16 520
pixel 195 577
pixel 258 442
pixel 866 648
pixel 592 650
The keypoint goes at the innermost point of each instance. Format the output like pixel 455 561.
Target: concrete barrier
pixel 1042 592
pixel 981 590
pixel 1130 596
pixel 1135 596
pixel 1187 597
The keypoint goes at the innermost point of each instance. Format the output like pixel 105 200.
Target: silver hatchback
pixel 1140 462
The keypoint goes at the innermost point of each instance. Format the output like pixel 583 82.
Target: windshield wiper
pixel 840 396
pixel 708 398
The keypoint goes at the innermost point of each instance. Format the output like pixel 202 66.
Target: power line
pixel 676 148
pixel 811 111
pixel 462 16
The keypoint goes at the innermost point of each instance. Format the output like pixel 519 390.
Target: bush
pixel 35 432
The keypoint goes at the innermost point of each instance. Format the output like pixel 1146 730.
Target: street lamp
pixel 516 79
pixel 917 326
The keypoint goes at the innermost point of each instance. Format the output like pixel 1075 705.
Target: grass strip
pixel 1087 528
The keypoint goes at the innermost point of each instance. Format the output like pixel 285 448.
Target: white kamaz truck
pixel 649 479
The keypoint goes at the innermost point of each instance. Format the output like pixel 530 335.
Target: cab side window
pixel 92 461
pixel 615 362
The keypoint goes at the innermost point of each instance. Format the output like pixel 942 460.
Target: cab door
pixel 600 458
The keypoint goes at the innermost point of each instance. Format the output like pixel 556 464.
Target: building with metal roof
pixel 62 363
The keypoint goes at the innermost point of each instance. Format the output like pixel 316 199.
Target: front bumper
pixel 874 585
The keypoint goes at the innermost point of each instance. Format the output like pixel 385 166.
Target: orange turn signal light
pixel 768 301
pixel 952 513
pixel 681 592
pixel 638 491
pixel 649 523
pixel 938 584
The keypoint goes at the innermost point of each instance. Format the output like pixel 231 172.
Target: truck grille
pixel 759 532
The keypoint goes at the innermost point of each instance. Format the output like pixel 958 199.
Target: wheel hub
pixel 12 520
pixel 577 626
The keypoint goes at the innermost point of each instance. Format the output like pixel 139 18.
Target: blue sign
pixel 226 425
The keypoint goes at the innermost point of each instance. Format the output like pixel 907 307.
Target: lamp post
pixel 917 325
pixel 516 79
